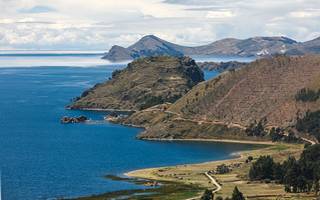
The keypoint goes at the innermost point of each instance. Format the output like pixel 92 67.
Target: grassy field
pixel 194 174
pixel 187 181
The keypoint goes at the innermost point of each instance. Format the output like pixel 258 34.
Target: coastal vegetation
pixel 239 175
pixel 310 123
pixel 301 175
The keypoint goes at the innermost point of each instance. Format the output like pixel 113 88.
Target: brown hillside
pixel 144 83
pixel 225 106
pixel 264 89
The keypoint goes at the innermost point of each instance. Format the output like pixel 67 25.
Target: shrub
pixel 207 195
pixel 222 169
pixel 262 169
pixel 237 195
pixel 306 95
pixel 310 123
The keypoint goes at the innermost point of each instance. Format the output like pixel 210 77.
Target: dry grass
pixel 193 174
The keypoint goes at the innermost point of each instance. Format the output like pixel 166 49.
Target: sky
pixel 99 24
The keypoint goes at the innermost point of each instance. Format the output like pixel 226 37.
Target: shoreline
pixel 194 174
pixel 214 140
pixel 101 109
pixel 238 155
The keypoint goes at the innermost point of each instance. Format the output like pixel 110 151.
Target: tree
pixel 222 169
pixel 262 169
pixel 257 129
pixel 207 195
pixel 275 134
pixel 292 172
pixel 237 195
pixel 278 172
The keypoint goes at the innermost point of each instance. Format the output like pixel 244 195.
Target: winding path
pixel 199 121
pixel 214 182
pixel 310 141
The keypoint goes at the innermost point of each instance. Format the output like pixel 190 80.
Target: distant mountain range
pixel 151 45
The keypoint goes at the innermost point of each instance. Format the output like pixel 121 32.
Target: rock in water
pixel 71 120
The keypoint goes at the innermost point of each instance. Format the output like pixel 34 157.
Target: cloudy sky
pixel 98 24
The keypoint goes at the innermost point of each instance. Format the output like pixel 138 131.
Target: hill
pixel 151 45
pixel 309 47
pixel 147 46
pixel 267 90
pixel 142 84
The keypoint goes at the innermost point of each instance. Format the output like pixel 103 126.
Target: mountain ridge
pixel 151 45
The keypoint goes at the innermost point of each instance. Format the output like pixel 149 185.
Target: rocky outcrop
pixel 142 84
pixel 72 120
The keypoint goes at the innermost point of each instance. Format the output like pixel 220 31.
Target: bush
pixel 257 129
pixel 237 195
pixel 306 95
pixel 207 195
pixel 222 169
pixel 276 134
pixel 310 123
pixel 262 169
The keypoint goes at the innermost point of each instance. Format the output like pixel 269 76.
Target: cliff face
pixel 224 106
pixel 144 83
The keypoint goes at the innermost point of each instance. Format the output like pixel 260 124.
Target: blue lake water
pixel 43 159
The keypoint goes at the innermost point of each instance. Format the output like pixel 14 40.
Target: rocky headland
pixel 142 84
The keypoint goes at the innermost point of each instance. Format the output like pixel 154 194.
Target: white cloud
pixel 306 13
pixel 220 14
pixel 97 24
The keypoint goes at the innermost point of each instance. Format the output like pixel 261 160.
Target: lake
pixel 43 159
